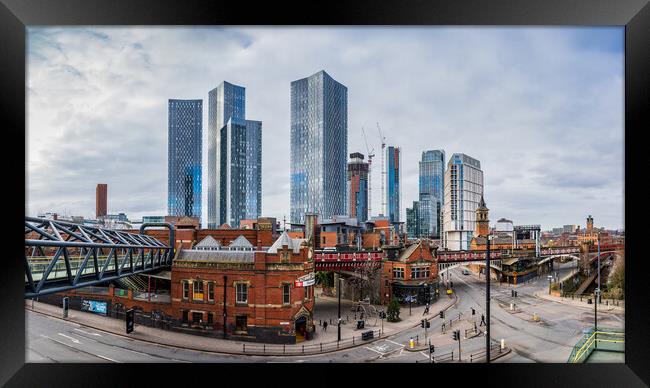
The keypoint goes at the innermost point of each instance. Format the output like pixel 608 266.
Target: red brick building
pixel 414 272
pixel 253 289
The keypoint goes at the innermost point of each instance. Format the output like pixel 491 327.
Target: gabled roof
pixel 285 239
pixel 240 242
pixel 208 242
pixel 224 226
pixel 411 253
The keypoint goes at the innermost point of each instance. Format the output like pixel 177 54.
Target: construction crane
pixel 371 155
pixel 383 171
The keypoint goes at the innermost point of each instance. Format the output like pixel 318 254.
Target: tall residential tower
pixel 393 183
pixel 424 219
pixel 185 119
pixel 234 158
pixel 463 193
pixel 319 147
pixel 358 187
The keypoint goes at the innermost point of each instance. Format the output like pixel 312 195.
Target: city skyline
pixel 587 173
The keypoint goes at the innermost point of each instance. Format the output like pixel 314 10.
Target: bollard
pixel 417 338
pixel 470 358
pixel 321 346
pixel 411 344
pixel 264 349
pixel 303 349
pixel 284 348
pixel 452 355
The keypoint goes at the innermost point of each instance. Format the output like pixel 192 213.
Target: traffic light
pixel 428 324
pixel 451 284
pixel 512 293
pixel 473 311
pixel 442 314
pixel 422 323
pixel 515 294
pixel 130 315
pixel 431 348
pixel 455 333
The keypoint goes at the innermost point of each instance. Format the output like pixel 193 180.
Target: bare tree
pixel 365 282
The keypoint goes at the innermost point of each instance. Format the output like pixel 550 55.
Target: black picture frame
pixel 16 15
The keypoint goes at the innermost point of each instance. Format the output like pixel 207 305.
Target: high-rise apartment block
pixel 185 122
pixel 224 101
pixel 463 192
pixel 319 147
pixel 426 214
pixel 358 187
pixel 393 183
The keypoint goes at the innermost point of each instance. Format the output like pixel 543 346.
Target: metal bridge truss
pixel 61 256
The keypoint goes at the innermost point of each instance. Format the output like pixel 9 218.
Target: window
pixel 398 273
pixel 198 290
pixel 186 289
pixel 242 292
pixel 307 293
pixel 286 296
pixel 415 273
pixel 211 291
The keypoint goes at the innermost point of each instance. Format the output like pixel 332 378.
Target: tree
pixel 392 314
pixel 365 283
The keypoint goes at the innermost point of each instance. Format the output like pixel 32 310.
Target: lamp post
pixel 487 300
pixel 339 320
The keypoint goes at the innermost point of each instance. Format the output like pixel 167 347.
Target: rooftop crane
pixel 383 171
pixel 371 155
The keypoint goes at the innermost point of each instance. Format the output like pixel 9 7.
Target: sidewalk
pixel 578 303
pixel 218 345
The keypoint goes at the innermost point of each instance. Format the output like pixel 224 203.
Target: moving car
pixel 465 272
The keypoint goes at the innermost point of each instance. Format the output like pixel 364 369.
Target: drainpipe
pixel 225 283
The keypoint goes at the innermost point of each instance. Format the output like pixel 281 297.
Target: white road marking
pixel 89 333
pixel 376 351
pixel 393 342
pixel 76 341
pixel 424 354
pixel 106 358
pixel 173 359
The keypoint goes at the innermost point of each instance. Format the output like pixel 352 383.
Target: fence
pixel 94 290
pixel 494 348
pixel 607 339
pixel 273 349
pixel 449 324
pixel 586 297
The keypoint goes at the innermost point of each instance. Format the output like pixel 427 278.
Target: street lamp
pixel 487 299
pixel 339 320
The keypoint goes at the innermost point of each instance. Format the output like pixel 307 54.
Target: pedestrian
pixel 325 326
pixel 483 320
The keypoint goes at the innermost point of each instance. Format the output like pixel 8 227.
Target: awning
pixel 167 275
pixel 509 261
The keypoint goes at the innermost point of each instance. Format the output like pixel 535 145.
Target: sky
pixel 542 109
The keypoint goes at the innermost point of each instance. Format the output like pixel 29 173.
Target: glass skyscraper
pixel 240 166
pixel 224 101
pixel 427 216
pixel 319 147
pixel 393 182
pixel 185 123
pixel 463 192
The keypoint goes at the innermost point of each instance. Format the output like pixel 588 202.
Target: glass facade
pixel 432 168
pixel 240 181
pixel 224 101
pixel 393 182
pixel 319 147
pixel 185 122
pixel 463 191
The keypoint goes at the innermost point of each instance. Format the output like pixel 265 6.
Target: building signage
pixel 306 283
pixel 309 276
pixel 93 306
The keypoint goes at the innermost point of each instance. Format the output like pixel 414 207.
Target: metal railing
pixel 299 349
pixel 605 339
pixel 481 354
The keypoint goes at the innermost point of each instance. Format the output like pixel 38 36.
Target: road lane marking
pixel 76 341
pixel 106 358
pixel 86 332
pixel 425 355
pixel 393 342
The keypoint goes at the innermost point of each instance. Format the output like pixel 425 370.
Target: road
pixel 551 340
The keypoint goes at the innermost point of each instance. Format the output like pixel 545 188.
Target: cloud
pixel 541 108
